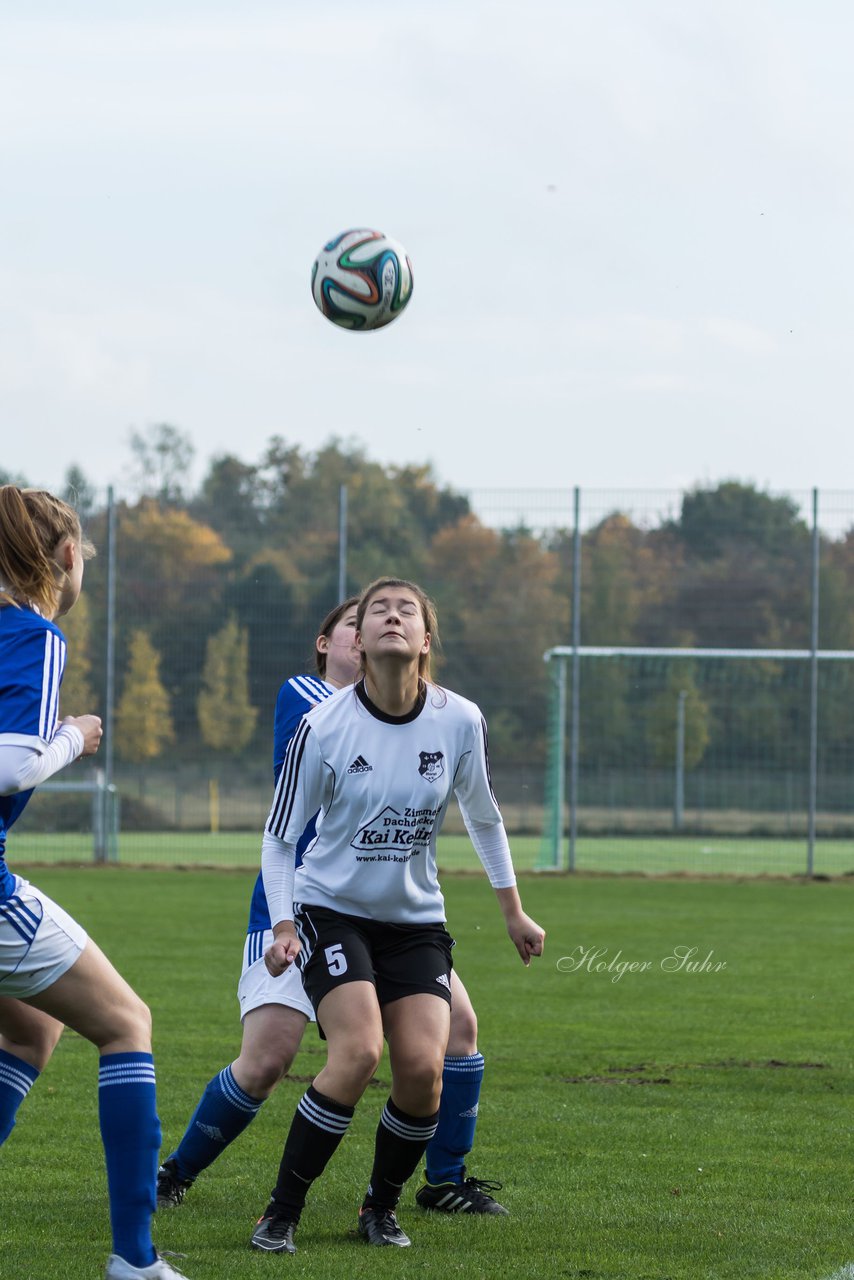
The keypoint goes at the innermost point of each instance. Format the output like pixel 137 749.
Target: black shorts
pixel 399 959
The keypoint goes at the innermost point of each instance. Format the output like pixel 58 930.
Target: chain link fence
pixel 194 612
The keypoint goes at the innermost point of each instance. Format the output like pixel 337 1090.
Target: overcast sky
pixel 630 223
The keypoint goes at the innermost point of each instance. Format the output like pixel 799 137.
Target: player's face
pixel 69 556
pixel 342 655
pixel 393 626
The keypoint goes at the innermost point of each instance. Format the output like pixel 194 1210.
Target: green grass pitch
pixel 659 1125
pixel 648 855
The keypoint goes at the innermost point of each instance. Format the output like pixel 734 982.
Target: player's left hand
pixel 526 935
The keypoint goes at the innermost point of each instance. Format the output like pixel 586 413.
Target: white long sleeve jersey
pixel 382 786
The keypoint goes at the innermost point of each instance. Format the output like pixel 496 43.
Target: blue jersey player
pixel 275 1011
pixel 51 974
pixel 274 1014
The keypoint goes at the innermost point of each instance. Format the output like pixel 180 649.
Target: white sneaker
pixel 160 1269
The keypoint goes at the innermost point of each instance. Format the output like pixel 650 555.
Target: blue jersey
pixel 296 696
pixel 32 660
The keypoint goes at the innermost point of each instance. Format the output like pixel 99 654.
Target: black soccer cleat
pixel 469 1195
pixel 380 1226
pixel 274 1232
pixel 171 1187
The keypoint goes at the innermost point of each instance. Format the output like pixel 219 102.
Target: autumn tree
pixel 626 577
pixel 660 715
pixel 500 608
pixel 76 695
pixel 289 502
pixel 232 502
pixel 166 559
pixel 143 716
pixel 227 717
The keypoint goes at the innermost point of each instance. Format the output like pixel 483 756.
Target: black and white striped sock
pixel 318 1126
pixel 401 1142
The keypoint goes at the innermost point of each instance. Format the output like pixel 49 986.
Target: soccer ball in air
pixel 361 280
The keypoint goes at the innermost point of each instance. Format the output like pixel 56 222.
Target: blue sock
pixel 130 1131
pixel 446 1153
pixel 223 1112
pixel 16 1079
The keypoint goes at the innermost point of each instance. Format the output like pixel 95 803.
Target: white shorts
pixel 39 942
pixel 257 987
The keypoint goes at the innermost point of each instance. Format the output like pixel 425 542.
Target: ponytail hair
pixel 32 524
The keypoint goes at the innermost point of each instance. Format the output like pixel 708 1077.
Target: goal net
pixel 660 758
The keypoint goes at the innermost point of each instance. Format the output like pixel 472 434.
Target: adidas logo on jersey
pixel 445 980
pixel 360 765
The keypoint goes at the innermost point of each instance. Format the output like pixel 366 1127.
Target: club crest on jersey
pixel 431 766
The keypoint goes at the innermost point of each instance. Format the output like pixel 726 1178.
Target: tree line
pixel 220 588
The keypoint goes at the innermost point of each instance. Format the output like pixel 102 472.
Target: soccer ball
pixel 361 280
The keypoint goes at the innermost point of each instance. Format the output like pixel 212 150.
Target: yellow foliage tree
pixel 227 718
pixel 143 716
pixel 166 558
pixel 77 698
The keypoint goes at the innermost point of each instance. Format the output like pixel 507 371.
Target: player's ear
pixel 357 640
pixel 66 554
pixel 425 648
pixel 321 644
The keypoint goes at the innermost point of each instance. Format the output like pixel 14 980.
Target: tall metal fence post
pixel 813 765
pixel 576 676
pixel 342 543
pixel 102 849
pixel 679 792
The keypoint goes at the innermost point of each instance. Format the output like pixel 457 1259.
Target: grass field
pixel 660 1125
pixel 651 855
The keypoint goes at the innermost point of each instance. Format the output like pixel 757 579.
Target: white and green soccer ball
pixel 362 280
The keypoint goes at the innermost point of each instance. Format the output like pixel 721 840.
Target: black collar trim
pixel 378 714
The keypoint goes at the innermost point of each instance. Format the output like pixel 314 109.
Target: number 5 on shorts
pixel 336 961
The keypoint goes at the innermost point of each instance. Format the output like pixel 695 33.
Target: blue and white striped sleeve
pixel 30 677
pixel 55 650
pixel 296 697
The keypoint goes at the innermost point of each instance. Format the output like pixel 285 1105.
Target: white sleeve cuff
pixel 23 765
pixel 493 849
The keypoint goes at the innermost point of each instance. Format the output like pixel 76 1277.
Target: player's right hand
pixel 282 952
pixel 92 730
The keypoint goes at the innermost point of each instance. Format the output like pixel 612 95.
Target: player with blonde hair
pixel 51 974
